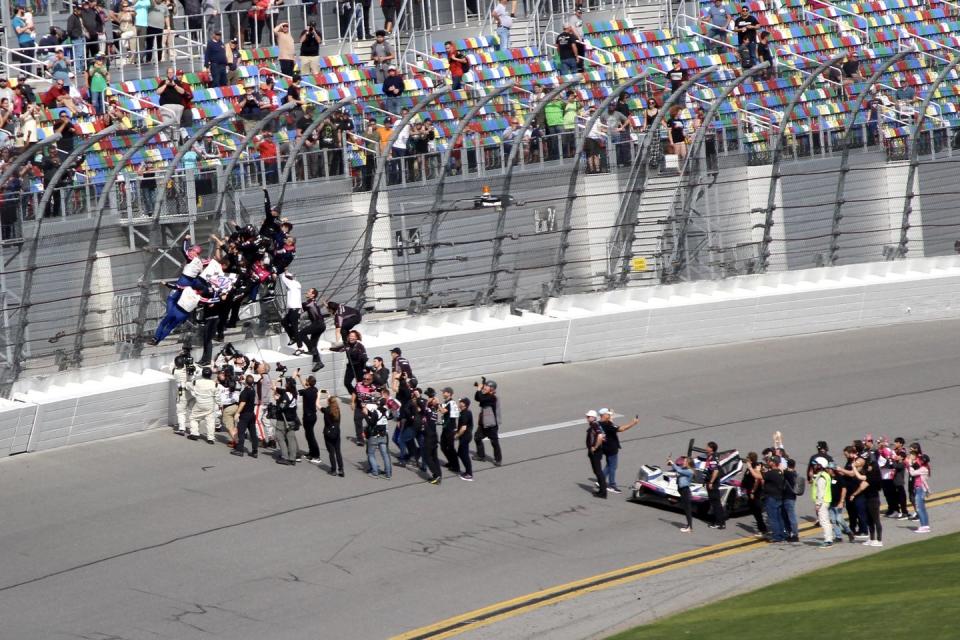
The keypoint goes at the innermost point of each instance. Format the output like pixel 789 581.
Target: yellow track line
pixel 532 601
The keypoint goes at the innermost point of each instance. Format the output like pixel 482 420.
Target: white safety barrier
pixel 132 396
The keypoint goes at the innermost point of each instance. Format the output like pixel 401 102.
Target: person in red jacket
pixel 267 149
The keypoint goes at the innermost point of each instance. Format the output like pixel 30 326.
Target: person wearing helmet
pixel 820 493
pixel 204 395
pixel 375 433
pixel 489 420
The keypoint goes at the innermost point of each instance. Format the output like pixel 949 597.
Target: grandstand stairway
pixel 651 220
pixel 647 16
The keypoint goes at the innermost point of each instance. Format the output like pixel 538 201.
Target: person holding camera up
pixel 183 372
pixel 375 432
pixel 489 423
pixel 310 42
pixel 204 395
pixel 450 414
pixel 462 438
pixel 246 419
pixel 364 393
pixel 228 398
pixel 287 422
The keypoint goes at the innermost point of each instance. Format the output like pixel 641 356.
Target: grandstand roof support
pixel 175 163
pixel 381 168
pixel 909 193
pixel 777 152
pixel 101 206
pixel 436 210
pixel 26 294
pixel 241 147
pixel 302 138
pixel 506 201
pixel 622 234
pixel 693 155
pixel 845 156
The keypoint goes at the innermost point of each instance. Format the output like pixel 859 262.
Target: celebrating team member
pixel 595 452
pixel 489 423
pixel 611 445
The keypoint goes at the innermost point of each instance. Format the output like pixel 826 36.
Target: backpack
pixel 799 485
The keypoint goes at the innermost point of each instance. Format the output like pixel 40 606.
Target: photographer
pixel 228 398
pixel 310 42
pixel 204 394
pixel 489 422
pixel 172 95
pixel 183 372
pixel 462 437
pixel 287 422
pixel 366 392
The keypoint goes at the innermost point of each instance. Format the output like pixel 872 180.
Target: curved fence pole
pixel 182 151
pixel 241 147
pixel 21 159
pixel 909 194
pixel 845 154
pixel 777 149
pixel 694 152
pixel 27 293
pixel 556 285
pixel 506 199
pixel 101 206
pixel 621 241
pixel 301 140
pixel 435 210
pixel 381 168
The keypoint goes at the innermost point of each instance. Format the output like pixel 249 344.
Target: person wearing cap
pixel 820 493
pixel 286 48
pixel 400 369
pixel 595 452
pixel 683 467
pixel 58 67
pixel 490 420
pixel 215 57
pixel 93 25
pixel 382 56
pixel 98 77
pixel 504 21
pixel 203 392
pixel 364 392
pixel 822 452
pixel 78 35
pixel 611 445
pixel 310 41
pixel 449 414
pixel 568 49
pixel 393 89
pixel 26 36
pixel 375 433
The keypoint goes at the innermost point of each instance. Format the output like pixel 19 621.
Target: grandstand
pixel 788 168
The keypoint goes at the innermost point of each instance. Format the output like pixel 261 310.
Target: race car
pixel 659 486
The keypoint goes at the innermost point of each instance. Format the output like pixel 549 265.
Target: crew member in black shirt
pixel 594 442
pixel 344 318
pixel 568 49
pixel 463 435
pixel 677 76
pixel 773 498
pixel 309 395
pixel 246 424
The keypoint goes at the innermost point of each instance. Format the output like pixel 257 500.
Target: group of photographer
pixel 270 413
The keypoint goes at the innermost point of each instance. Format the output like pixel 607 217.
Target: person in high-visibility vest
pixel 820 492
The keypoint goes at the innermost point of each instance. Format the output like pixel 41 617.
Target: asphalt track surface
pixel 153 536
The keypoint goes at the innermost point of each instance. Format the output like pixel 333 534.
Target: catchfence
pixel 475 221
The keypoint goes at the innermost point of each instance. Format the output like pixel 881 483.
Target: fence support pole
pixel 776 150
pixel 845 154
pixel 101 206
pixel 436 209
pixel 621 241
pixel 694 152
pixel 909 194
pixel 382 154
pixel 27 293
pixel 506 198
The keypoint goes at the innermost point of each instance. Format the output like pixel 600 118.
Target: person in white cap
pixel 595 452
pixel 820 493
pixel 393 89
pixel 611 445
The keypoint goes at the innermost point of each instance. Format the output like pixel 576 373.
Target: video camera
pixel 184 360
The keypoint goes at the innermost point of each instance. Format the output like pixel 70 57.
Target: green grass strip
pixel 909 591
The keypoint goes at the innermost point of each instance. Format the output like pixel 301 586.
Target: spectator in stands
pixel 717 18
pixel 746 26
pixel 258 19
pixel 295 94
pixel 345 126
pixel 397 152
pixel 27 134
pixel 553 119
pixel 48 42
pixel 365 20
pixel 267 149
pixel 510 137
pixel 250 111
pixel 169 10
pixel 677 76
pixel 504 22
pixel 765 55
pixel 58 96
pixel 172 93
pixel 678 136
pixel 393 90
pixel 212 10
pixel 193 10
pixel 593 144
pixel 618 128
pixel 852 72
pixel 26 38
pixel 93 24
pixel 568 50
pixel 382 55
pixel 58 67
pixel 345 11
pixel 571 111
pixel 389 8
pixel 577 22
pixel 141 21
pixel 286 54
pixel 215 57
pixel 458 64
pixel 78 36
pixel 98 77
pixel 310 41
pixel 128 31
pixel 327 142
pixel 152 41
pixel 232 51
